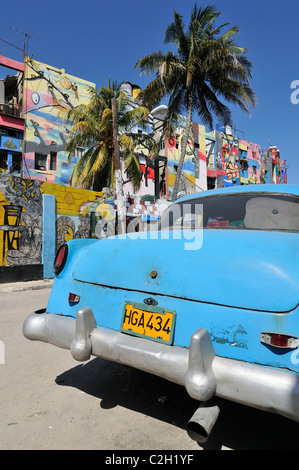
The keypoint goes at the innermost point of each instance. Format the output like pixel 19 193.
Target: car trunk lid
pixel 256 270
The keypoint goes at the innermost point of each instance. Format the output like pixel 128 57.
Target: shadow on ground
pixel 238 427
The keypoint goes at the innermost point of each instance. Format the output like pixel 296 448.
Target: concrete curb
pixel 26 285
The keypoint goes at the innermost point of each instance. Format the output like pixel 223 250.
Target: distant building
pixel 48 93
pixel 215 159
pixel 11 116
pixel 33 133
pixel 240 161
pixel 33 136
pixel 279 166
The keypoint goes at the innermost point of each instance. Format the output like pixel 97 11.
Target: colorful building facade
pixel 11 116
pixel 241 162
pixel 33 130
pixel 48 93
pixel 279 166
pixel 217 159
pixel 34 133
pixel 194 170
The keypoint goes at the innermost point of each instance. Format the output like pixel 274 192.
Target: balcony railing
pixel 11 109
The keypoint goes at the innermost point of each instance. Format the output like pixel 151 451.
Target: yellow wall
pixel 3 247
pixel 71 201
pixel 76 213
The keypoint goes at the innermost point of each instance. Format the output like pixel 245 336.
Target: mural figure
pixel 22 221
pixel 48 93
pixel 11 229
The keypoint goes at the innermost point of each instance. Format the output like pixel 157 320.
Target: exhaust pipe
pixel 202 422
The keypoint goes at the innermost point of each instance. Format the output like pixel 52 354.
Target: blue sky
pixel 98 40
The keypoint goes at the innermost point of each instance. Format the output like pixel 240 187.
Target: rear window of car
pixel 257 211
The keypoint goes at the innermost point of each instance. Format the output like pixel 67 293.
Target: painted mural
pixel 21 211
pixel 20 221
pixel 255 164
pixel 79 213
pixel 230 153
pixel 210 141
pixel 194 166
pixel 48 93
pixel 279 166
pixel 201 178
pixel 239 161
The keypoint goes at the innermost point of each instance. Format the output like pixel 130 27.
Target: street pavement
pixel 50 401
pixel 27 285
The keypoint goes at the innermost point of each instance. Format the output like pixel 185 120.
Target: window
pixel 243 165
pixel 16 162
pixel 79 152
pixel 3 160
pixel 53 161
pixel 40 162
pixel 211 182
pixel 261 211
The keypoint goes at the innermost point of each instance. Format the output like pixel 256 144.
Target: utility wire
pixel 4 40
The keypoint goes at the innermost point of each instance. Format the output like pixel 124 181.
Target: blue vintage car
pixel 209 300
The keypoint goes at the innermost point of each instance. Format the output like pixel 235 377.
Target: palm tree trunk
pixel 184 148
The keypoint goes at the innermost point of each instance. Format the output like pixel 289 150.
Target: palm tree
pixel 93 130
pixel 205 67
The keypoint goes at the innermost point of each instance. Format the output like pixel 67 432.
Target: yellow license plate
pixel 153 323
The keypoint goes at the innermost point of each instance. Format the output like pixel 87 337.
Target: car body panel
pixel 233 268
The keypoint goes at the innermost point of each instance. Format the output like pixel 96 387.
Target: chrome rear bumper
pixel 198 368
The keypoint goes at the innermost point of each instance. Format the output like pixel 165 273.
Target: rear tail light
pixel 73 298
pixel 60 259
pixel 280 340
pixel 218 223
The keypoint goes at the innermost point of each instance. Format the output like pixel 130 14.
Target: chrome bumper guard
pixel 198 368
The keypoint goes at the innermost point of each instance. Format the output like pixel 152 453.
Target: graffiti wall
pixel 77 210
pixel 194 167
pixel 21 218
pixel 241 162
pixel 255 164
pixel 201 176
pixel 20 221
pixel 279 167
pixel 49 92
pixel 230 154
pixel 210 141
pixel 77 213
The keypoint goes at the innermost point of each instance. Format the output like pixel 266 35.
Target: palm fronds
pixel 92 130
pixel 207 66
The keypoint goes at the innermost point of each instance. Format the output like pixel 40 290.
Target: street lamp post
pixel 117 172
